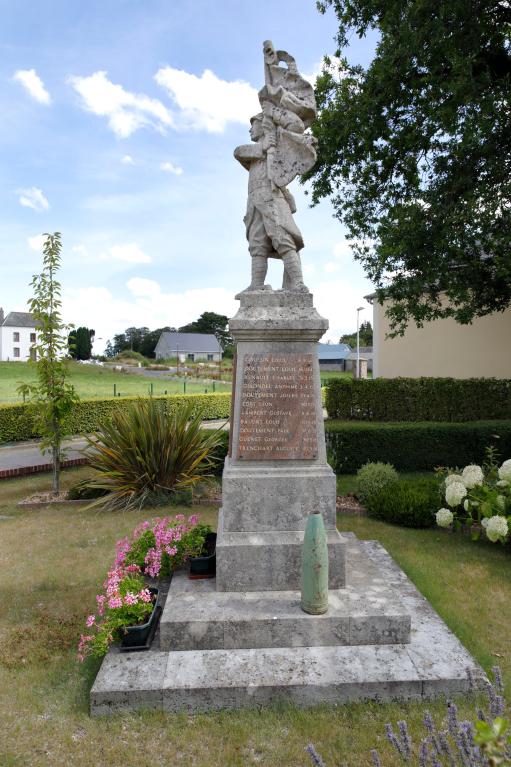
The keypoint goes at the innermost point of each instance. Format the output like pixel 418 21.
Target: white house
pixel 17 335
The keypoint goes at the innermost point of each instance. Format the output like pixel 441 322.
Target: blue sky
pixel 119 120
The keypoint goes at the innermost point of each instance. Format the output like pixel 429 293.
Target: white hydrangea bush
pixel 479 497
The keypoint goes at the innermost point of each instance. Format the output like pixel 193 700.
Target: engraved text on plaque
pixel 278 408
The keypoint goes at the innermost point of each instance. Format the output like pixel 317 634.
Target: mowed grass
pixel 92 381
pixel 52 561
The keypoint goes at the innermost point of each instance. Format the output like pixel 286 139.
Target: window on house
pixel 16 337
pixel 210 358
pixel 190 357
pixel 32 338
pixel 16 351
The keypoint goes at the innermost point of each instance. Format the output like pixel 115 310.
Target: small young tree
pixel 53 396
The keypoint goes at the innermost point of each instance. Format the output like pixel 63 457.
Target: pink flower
pixel 90 621
pixel 192 521
pixel 145 595
pixel 181 517
pixel 130 599
pixel 171 550
pixel 100 599
pixel 114 602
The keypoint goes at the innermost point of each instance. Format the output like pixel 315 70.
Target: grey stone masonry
pixel 266 502
pixel 433 663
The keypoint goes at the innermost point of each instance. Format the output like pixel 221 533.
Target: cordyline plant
pixel 485 743
pixel 53 396
pixel 145 454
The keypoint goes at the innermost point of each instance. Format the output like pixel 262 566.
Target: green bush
pixel 17 421
pixel 144 454
pixel 419 399
pixel 82 492
pixel 413 446
pixel 406 502
pixel 372 477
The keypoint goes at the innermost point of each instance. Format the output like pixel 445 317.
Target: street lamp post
pixel 359 309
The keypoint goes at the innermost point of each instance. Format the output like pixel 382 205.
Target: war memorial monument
pixel 242 639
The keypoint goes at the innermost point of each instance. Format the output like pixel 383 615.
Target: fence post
pixel 115 390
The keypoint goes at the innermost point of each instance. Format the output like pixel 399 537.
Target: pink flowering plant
pixel 160 546
pixel 126 601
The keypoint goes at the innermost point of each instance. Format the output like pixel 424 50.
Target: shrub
pixel 413 446
pixel 144 452
pixel 82 492
pixel 372 477
pixel 480 496
pixel 405 502
pixel 419 399
pixel 17 421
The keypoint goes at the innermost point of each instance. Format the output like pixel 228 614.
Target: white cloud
pixel 33 198
pixel 126 112
pixel 332 266
pixel 207 102
pixel 128 160
pixel 36 242
pixel 147 305
pixel 168 167
pixel 337 300
pixel 129 252
pixel 81 250
pixel 344 249
pixel 33 84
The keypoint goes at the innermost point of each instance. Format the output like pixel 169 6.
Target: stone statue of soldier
pixel 281 150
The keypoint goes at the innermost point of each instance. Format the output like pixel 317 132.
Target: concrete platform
pixel 433 663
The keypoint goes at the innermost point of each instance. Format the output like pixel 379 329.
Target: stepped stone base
pixel 434 662
pixel 197 616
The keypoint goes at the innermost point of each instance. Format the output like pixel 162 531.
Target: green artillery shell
pixel 315 567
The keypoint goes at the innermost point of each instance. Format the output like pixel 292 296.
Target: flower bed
pixel 155 549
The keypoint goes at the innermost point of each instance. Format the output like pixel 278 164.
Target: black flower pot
pixel 204 566
pixel 140 637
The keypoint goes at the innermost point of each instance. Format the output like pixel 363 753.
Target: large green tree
pixel 415 153
pixel 210 322
pixel 80 343
pixel 365 335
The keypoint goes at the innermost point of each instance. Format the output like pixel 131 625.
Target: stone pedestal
pixel 276 473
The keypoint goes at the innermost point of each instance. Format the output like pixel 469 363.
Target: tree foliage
pixel 365 334
pixel 210 322
pixel 415 153
pixel 80 343
pixel 53 396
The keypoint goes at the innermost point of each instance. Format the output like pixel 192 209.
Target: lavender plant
pixel 483 743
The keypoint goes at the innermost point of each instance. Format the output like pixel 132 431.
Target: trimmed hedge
pixel 419 399
pixel 17 421
pixel 413 446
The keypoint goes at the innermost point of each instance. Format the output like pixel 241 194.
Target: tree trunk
pixel 56 469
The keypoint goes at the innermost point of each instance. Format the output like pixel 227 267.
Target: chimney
pixel 1 316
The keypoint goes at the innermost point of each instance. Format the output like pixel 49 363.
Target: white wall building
pixel 17 335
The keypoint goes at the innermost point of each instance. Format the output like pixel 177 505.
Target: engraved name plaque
pixel 278 408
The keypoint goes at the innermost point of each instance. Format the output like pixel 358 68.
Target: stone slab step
pixel 205 619
pixel 271 561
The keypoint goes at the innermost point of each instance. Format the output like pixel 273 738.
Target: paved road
pixel 22 454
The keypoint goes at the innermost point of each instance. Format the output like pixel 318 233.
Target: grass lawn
pixel 95 381
pixel 53 560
